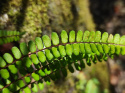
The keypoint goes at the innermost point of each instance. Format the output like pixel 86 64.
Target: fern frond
pixel 45 58
pixel 9 36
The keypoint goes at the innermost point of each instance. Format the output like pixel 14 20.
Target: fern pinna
pixel 45 58
pixel 9 36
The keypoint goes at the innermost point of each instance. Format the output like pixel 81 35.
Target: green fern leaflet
pixel 9 36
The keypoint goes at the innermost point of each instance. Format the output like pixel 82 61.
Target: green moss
pixel 36 17
pixel 84 19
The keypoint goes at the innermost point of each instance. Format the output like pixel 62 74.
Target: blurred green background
pixel 39 17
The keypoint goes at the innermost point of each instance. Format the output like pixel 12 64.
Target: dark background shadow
pixel 102 11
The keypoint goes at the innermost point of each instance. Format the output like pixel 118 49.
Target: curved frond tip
pixel 45 58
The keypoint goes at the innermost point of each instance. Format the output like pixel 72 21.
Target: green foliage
pixel 2 62
pixel 92 86
pixel 43 60
pixel 27 90
pixel 4 73
pixel 9 36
